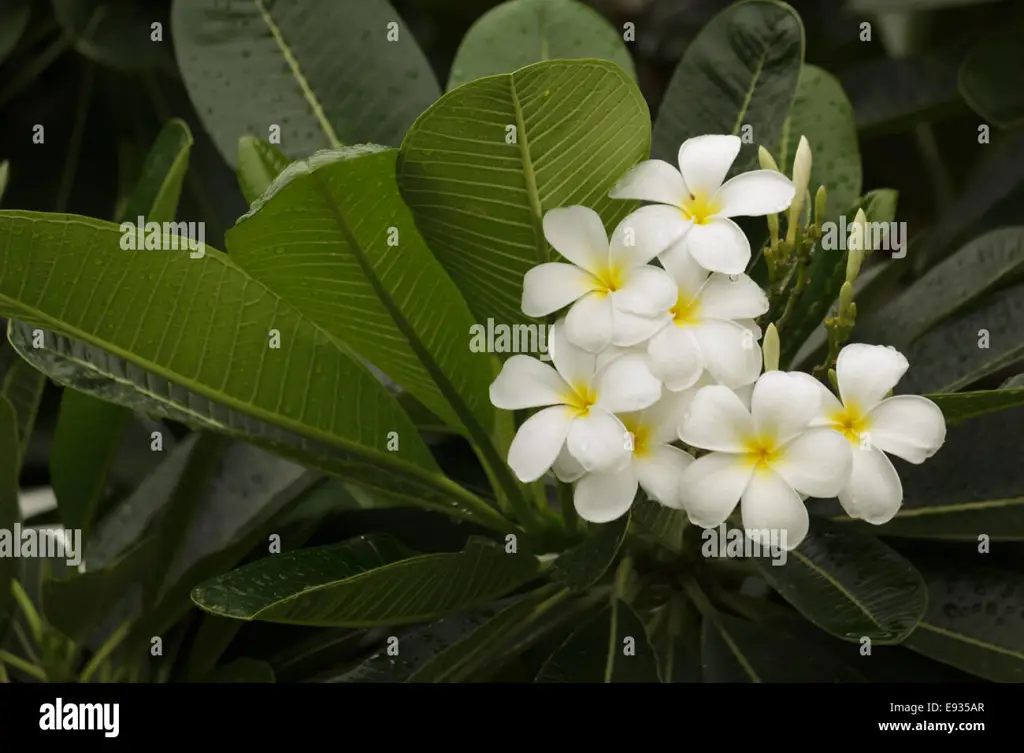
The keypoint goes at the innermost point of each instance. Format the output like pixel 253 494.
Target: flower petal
pixel 604 497
pixel 566 467
pixel 816 463
pixel 704 162
pixel 754 194
pixel 874 492
pixel 626 385
pixel 525 382
pixel 711 486
pixel 675 357
pixel 732 297
pixel 659 472
pixel 663 418
pixel 550 287
pixel 577 233
pixel 575 365
pixel 910 427
pixel 588 325
pixel 538 442
pixel 653 180
pixel 773 514
pixel 729 351
pixel 783 404
pixel 830 404
pixel 631 330
pixel 689 276
pixel 719 246
pixel 867 372
pixel 612 352
pixel 648 291
pixel 717 420
pixel 599 442
pixel 644 234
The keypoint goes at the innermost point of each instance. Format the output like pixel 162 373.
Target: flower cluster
pixel 647 357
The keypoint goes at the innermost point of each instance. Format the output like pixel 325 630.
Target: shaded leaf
pixel 659 523
pixel 14 16
pixel 990 80
pixel 365 582
pixel 369 89
pixel 481 166
pixel 520 32
pixel 9 512
pixel 959 406
pixel 258 164
pixel 115 33
pixel 741 70
pixel 242 670
pixel 22 386
pixel 585 564
pixel 610 647
pixel 850 585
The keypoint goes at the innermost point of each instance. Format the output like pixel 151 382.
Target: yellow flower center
pixel 761 452
pixel 699 208
pixel 641 435
pixel 580 398
pixel 851 422
pixel 686 311
pixel 611 277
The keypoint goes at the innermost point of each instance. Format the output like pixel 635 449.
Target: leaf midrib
pixel 529 176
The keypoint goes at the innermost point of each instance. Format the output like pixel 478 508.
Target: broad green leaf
pixel 586 563
pixel 115 33
pixel 822 112
pixel 365 582
pixel 987 85
pixel 1013 383
pixel 520 32
pixel 974 621
pixel 735 650
pixel 14 16
pixel 258 164
pixel 974 270
pixel 207 327
pixel 659 523
pixel 369 88
pixel 969 488
pixel 850 585
pixel 23 386
pixel 610 647
pixel 827 272
pixel 484 163
pixel 969 346
pixel 242 670
pixel 350 259
pixel 738 76
pixel 959 406
pixel 9 512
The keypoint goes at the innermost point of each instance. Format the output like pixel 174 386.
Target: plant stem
pixel 106 650
pixel 35 623
pixel 26 644
pixel 22 666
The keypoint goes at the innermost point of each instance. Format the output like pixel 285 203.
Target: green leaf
pixel 985 85
pixel 85 445
pixel 115 33
pixel 850 585
pixel 610 647
pixel 237 318
pixel 520 32
pixel 242 670
pixel 948 287
pixel 735 650
pixel 585 564
pixel 376 288
pixel 661 524
pixel 968 347
pixel 23 386
pixel 822 112
pixel 365 582
pixel 9 511
pixel 959 406
pixel 258 164
pixel 741 71
pixel 478 194
pixel 1013 383
pixel 14 16
pixel 898 6
pixel 5 171
pixel 368 89
pixel 974 621
pixel 971 487
pixel 827 272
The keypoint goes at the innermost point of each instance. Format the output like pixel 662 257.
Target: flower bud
pixel 845 299
pixel 766 160
pixel 770 348
pixel 834 379
pixel 801 175
pixel 820 205
pixel 855 255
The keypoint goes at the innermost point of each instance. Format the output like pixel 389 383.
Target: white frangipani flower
pixel 583 400
pixel 613 289
pixel 655 466
pixel 910 427
pixel 695 202
pixel 765 458
pixel 712 327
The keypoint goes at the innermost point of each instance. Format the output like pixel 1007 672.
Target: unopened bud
pixel 845 299
pixel 764 157
pixel 834 379
pixel 820 205
pixel 770 348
